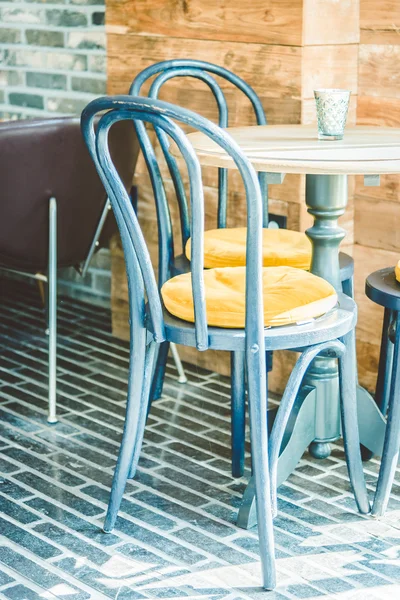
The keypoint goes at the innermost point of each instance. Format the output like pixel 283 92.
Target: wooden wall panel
pixel 331 22
pixel 274 71
pixel 377 209
pixel 379 22
pixel 370 317
pixel 258 21
pixel 377 224
pixel 333 66
pixel 369 324
pixel 378 110
pixel 260 42
pixel 284 49
pixel 378 73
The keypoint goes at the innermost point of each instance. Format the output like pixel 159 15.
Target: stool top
pixel 383 288
pixel 297 149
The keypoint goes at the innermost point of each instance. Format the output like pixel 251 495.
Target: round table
pixel 276 150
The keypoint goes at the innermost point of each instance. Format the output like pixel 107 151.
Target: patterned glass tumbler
pixel 332 108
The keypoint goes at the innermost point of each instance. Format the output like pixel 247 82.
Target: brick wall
pixel 53 61
pixel 52 56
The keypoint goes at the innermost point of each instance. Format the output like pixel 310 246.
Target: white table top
pixel 296 149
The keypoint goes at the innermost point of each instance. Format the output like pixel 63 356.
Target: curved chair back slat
pixel 167 70
pixel 172 164
pixel 159 114
pixel 237 81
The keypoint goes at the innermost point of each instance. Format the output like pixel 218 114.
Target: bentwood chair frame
pixel 382 288
pixel 169 264
pixel 151 325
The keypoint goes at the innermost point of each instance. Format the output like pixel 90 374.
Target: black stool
pixel 382 287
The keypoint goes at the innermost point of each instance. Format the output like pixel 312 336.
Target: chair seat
pixel 397 271
pixel 181 264
pixel 290 295
pixel 281 247
pixel 332 325
pixel 383 288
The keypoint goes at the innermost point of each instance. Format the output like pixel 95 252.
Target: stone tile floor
pixel 176 536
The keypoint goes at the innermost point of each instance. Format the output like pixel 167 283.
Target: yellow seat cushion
pixel 290 295
pixel 397 271
pixel 281 247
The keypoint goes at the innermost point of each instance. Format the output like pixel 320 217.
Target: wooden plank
pixel 370 315
pixel 379 73
pixel 214 360
pixel 333 66
pixel 292 189
pixel 379 22
pixel 379 109
pixel 260 21
pixel 278 110
pixel 236 210
pixel 367 260
pixel 197 97
pixel 331 22
pixel 389 189
pixel 119 291
pixel 283 362
pixel 274 70
pixel 368 360
pixel 377 224
pixel 383 111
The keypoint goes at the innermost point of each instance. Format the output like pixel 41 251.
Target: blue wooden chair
pixel 151 324
pixel 383 288
pixel 169 263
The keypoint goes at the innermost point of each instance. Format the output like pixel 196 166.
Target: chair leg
pixel 159 372
pixel 385 363
pixel 348 287
pixel 42 293
pixel 151 356
pixel 52 310
pixel 269 358
pixel 238 412
pixel 135 401
pixel 391 446
pixel 177 360
pixel 257 397
pixel 351 439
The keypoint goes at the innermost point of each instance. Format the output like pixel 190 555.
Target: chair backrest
pixel 141 279
pixel 44 158
pixel 165 71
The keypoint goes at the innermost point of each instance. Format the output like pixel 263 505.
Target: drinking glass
pixel 332 108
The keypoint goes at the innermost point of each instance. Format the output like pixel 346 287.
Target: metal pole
pixel 95 241
pixel 181 373
pixel 52 304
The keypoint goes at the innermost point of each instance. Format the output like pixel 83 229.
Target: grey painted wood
pixel 152 326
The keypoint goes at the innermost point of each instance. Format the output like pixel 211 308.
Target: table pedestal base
pixel 371 422
pixel 301 433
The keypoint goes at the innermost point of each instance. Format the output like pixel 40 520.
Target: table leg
pixel 326 198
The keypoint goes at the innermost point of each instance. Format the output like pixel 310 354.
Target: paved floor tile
pixel 176 536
